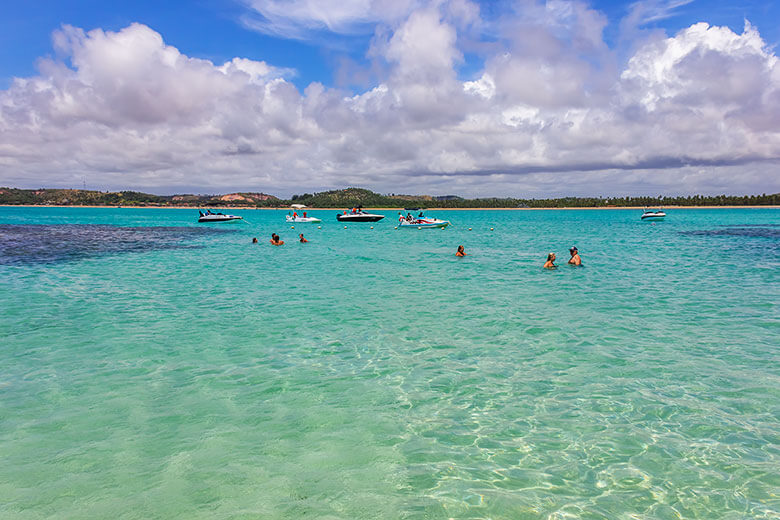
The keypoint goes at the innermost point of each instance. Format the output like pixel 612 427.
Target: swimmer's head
pixel 551 256
pixel 573 249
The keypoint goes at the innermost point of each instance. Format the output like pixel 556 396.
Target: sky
pixel 521 98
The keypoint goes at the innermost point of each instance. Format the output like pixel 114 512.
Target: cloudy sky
pixel 476 98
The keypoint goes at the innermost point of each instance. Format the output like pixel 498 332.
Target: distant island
pixel 351 197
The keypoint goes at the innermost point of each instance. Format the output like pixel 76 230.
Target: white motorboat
pixel 208 216
pixel 650 214
pixel 421 222
pixel 359 216
pixel 297 219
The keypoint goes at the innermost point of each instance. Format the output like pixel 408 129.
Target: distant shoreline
pixel 383 209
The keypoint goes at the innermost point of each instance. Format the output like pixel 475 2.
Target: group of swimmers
pixel 276 241
pixel 575 259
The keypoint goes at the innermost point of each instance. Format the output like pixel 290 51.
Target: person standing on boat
pixel 550 263
pixel 575 256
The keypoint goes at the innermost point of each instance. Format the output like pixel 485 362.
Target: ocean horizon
pixel 154 367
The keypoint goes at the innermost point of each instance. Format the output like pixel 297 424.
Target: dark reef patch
pixel 35 244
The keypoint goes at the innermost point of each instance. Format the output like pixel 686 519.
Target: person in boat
pixel 201 213
pixel 275 240
pixel 550 263
pixel 254 240
pixel 461 251
pixel 303 240
pixel 295 214
pixel 409 217
pixel 420 215
pixel 304 214
pixel 575 256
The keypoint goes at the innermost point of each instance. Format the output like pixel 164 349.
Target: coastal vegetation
pixel 351 197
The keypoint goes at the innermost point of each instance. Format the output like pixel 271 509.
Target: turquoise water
pixel 178 372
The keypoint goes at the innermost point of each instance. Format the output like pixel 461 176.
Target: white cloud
pixel 551 112
pixel 298 18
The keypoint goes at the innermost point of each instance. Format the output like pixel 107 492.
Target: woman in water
pixel 275 240
pixel 550 263
pixel 254 240
pixel 461 251
pixel 303 240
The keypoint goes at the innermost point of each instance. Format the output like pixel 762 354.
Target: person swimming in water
pixel 549 264
pixel 275 240
pixel 461 251
pixel 575 256
pixel 302 240
pixel 254 240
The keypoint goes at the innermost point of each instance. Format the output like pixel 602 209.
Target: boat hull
pixel 653 216
pixel 359 217
pixel 219 218
pixel 302 220
pixel 424 224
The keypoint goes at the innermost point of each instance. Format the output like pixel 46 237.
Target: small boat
pixel 650 214
pixel 422 222
pixel 359 216
pixel 208 216
pixel 300 220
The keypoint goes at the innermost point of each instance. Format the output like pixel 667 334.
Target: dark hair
pixel 550 256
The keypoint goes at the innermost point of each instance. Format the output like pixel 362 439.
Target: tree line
pixel 351 197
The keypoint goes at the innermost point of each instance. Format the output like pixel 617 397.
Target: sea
pixel 155 368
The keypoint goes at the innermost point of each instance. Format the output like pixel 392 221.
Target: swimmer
pixel 549 264
pixel 303 240
pixel 460 251
pixel 254 240
pixel 575 256
pixel 275 240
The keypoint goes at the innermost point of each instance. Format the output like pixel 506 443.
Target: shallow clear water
pixel 183 372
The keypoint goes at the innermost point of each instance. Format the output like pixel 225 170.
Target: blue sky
pixel 212 29
pixel 387 109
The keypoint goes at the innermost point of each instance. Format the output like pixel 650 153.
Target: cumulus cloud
pixel 552 111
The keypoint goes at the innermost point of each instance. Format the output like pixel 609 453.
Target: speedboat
pixel 359 216
pixel 217 217
pixel 423 222
pixel 650 214
pixel 300 220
